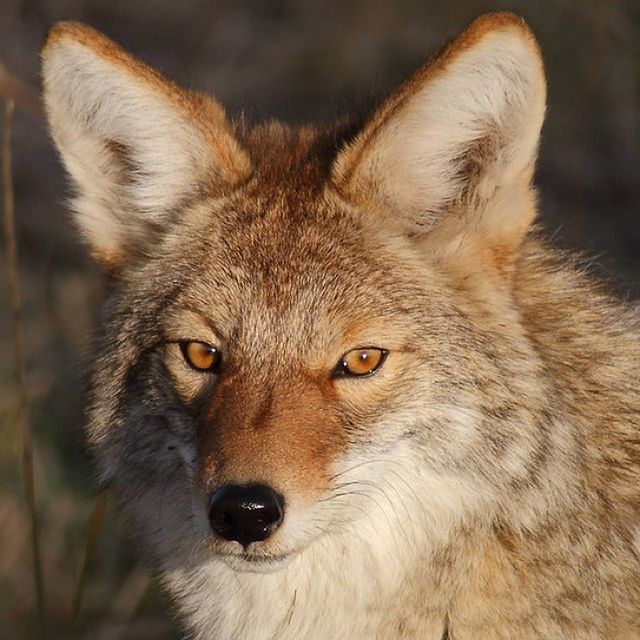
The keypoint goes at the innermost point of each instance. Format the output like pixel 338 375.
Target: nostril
pixel 245 513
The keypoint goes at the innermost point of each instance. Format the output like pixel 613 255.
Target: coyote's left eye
pixel 360 362
pixel 200 356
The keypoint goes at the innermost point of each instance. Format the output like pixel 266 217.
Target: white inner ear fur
pixel 474 124
pixel 95 107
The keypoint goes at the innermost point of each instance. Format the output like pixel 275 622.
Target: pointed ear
pixel 453 149
pixel 136 146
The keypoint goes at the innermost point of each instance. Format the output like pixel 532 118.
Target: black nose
pixel 245 513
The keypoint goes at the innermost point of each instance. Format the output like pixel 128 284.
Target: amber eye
pixel 200 355
pixel 360 362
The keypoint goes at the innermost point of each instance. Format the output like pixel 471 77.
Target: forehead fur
pixel 295 157
pixel 285 247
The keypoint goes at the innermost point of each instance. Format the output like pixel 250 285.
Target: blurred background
pixel 297 61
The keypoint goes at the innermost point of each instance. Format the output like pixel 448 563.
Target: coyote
pixel 343 387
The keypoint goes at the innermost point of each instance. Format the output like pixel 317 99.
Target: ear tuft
pixel 465 127
pixel 136 145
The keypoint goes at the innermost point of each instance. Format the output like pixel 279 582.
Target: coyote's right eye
pixel 200 356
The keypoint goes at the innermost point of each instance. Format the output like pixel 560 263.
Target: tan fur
pixel 484 483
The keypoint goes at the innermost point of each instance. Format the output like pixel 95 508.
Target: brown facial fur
pixel 287 437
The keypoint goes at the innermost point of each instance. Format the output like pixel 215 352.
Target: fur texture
pixel 484 483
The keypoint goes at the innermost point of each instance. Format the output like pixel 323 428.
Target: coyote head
pixel 309 332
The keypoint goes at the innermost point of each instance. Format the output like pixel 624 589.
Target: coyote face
pixel 325 355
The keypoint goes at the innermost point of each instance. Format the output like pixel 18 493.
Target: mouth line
pixel 255 559
pixel 252 563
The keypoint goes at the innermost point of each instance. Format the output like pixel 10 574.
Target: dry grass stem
pixel 18 338
pixel 126 603
pixel 25 96
pixel 95 525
